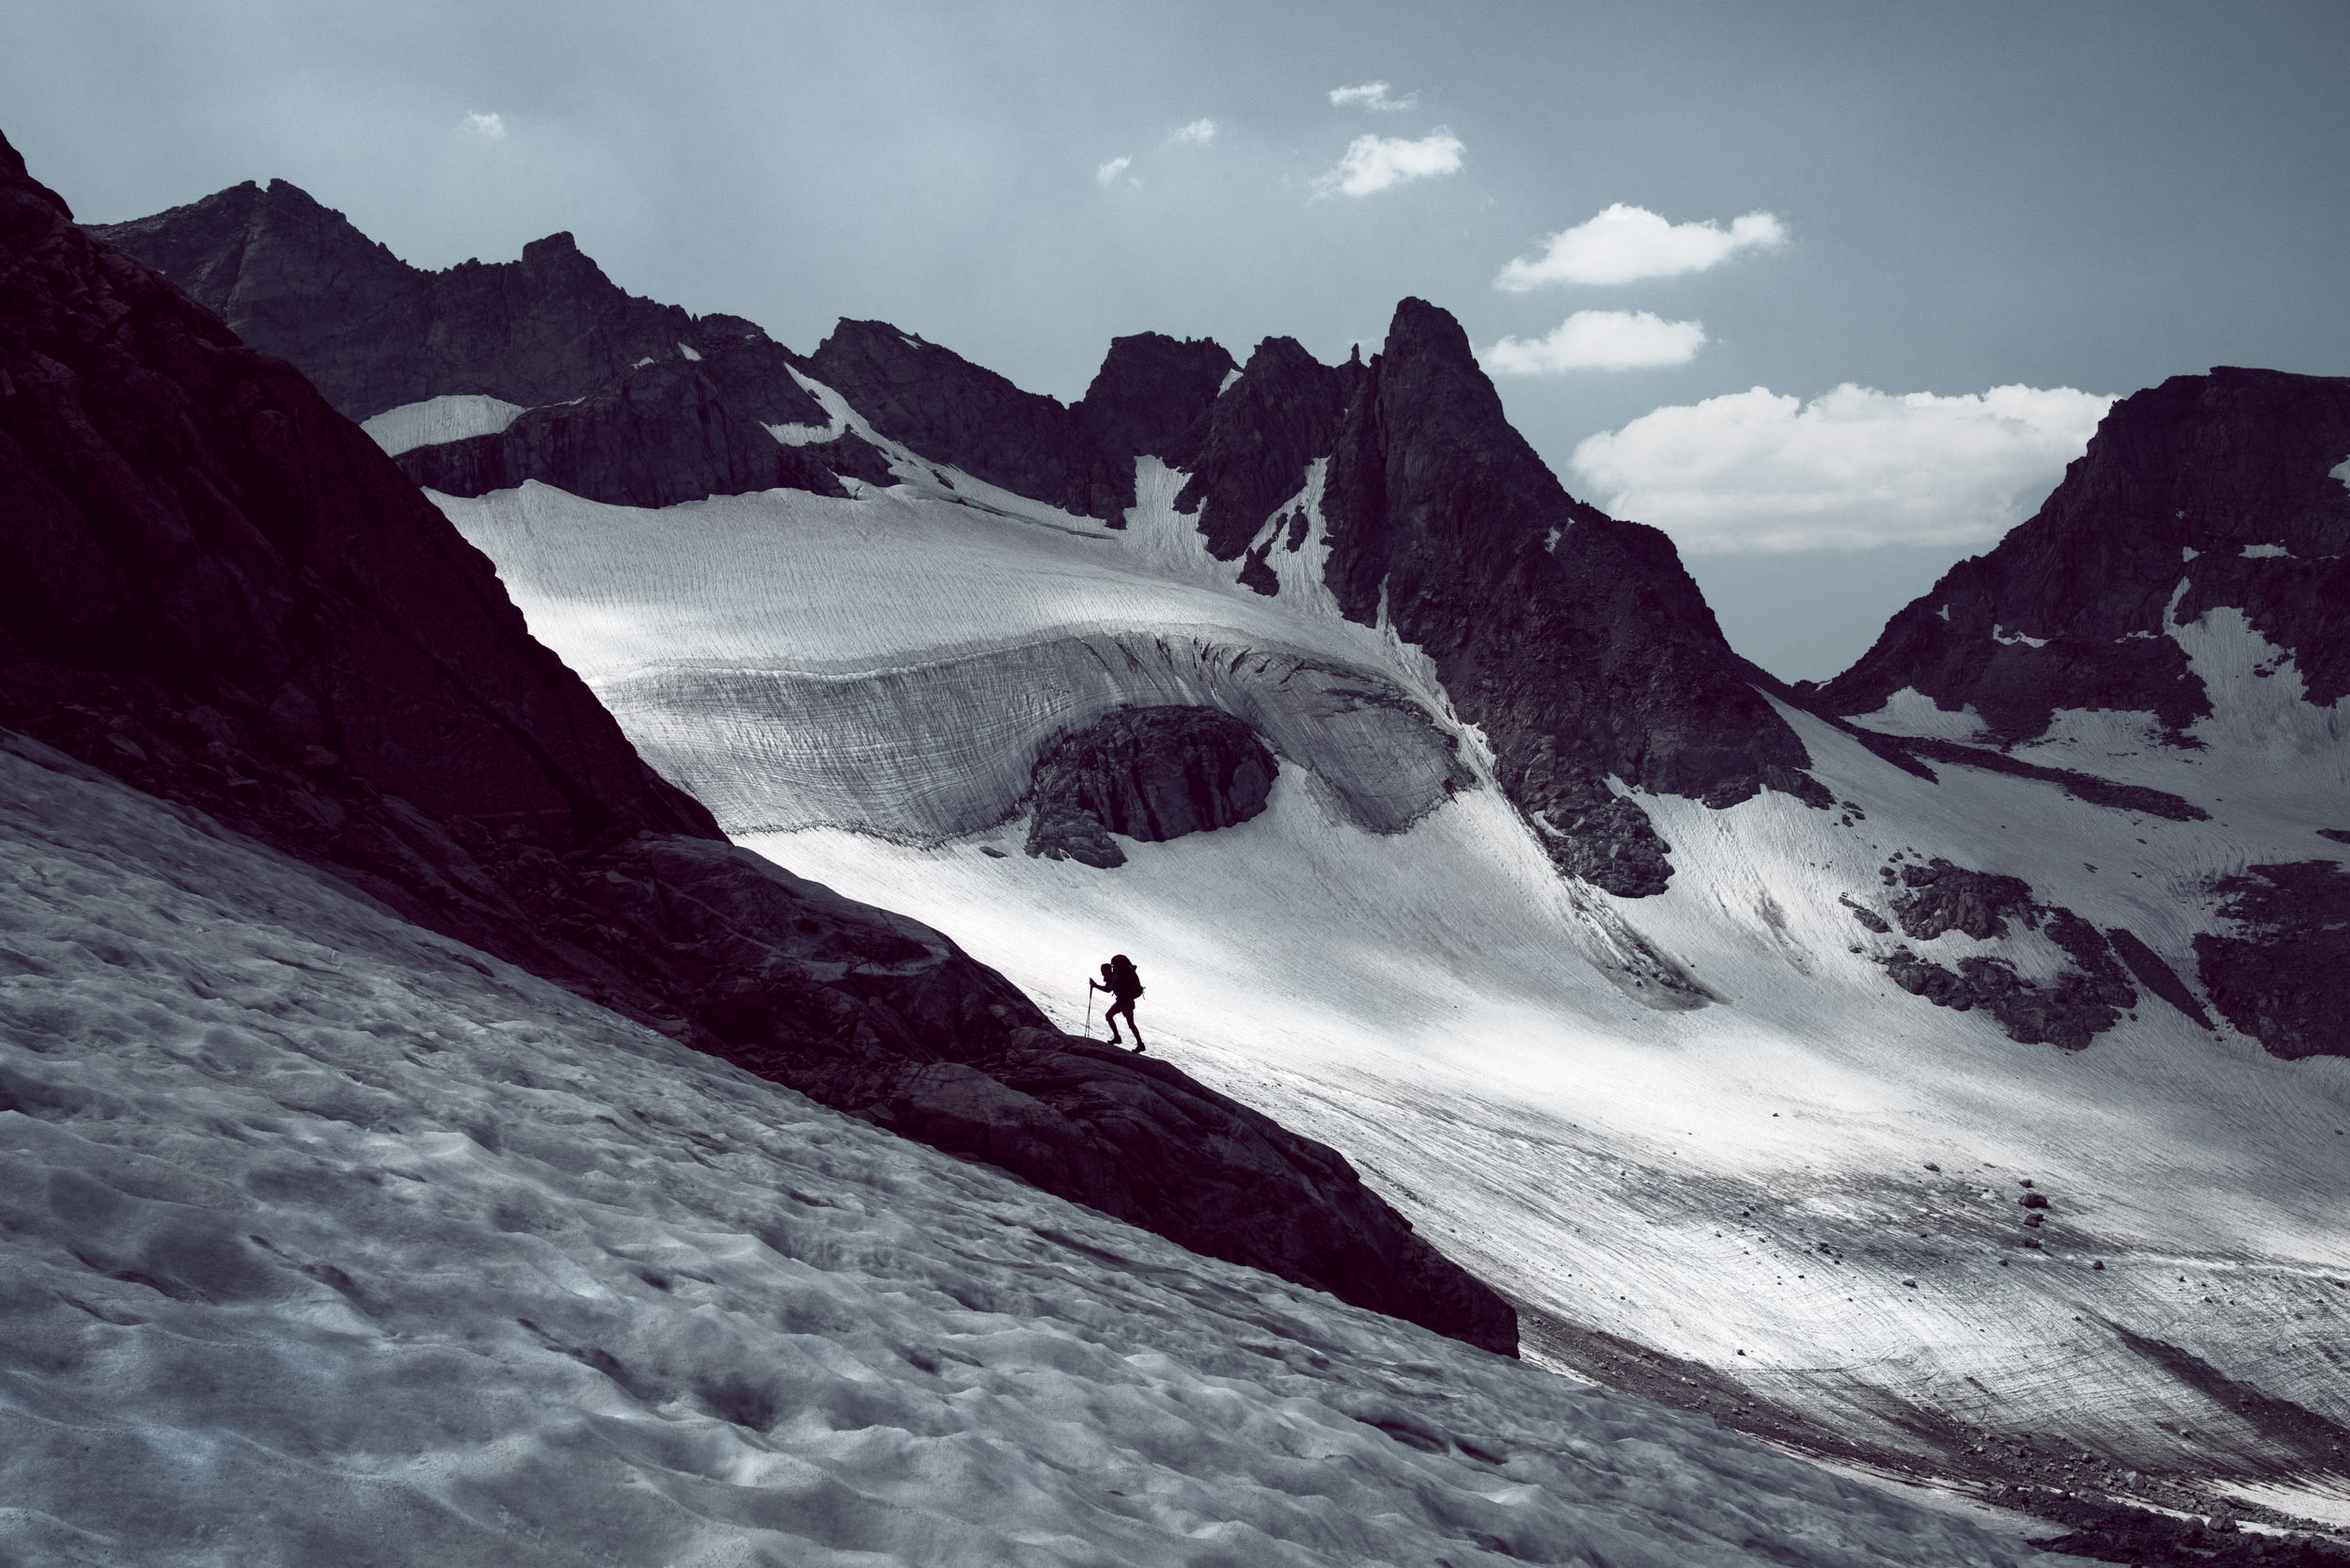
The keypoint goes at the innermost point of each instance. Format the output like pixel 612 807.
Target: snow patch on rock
pixel 1911 712
pixel 458 416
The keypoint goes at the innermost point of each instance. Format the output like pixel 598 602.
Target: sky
pixel 1830 293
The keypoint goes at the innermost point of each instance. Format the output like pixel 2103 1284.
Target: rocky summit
pixel 2211 492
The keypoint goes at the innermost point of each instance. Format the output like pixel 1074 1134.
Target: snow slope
pixel 323 1239
pixel 1700 1125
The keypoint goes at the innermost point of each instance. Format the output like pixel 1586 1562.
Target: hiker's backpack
pixel 1125 984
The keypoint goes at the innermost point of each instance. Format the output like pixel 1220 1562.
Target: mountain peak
pixel 2207 492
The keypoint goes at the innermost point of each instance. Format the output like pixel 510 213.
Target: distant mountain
pixel 2178 610
pixel 1579 642
pixel 2213 491
pixel 223 592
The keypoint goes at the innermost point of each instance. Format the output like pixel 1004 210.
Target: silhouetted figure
pixel 1120 979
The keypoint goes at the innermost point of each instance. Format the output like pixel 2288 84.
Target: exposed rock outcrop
pixel 1576 642
pixel 2068 1011
pixel 2206 491
pixel 1285 411
pixel 2280 976
pixel 652 437
pixel 1152 394
pixel 217 589
pixel 296 278
pixel 1940 896
pixel 1151 774
pixel 954 412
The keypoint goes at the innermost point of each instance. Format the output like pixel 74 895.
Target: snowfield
pixel 327 1240
pixel 1705 1124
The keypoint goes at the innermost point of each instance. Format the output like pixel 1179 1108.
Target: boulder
pixel 1150 774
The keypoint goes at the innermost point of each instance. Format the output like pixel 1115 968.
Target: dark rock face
pixel 1577 642
pixel 1151 395
pixel 2069 1011
pixel 1150 774
pixel 651 438
pixel 2284 979
pixel 629 401
pixel 1942 897
pixel 1285 411
pixel 2178 482
pixel 218 590
pixel 954 412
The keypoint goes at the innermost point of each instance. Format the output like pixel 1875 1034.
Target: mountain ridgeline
pixel 2205 492
pixel 217 587
pixel 1573 645
pixel 1578 643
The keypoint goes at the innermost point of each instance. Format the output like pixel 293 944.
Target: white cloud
pixel 1374 164
pixel 1599 340
pixel 1107 174
pixel 490 126
pixel 1371 95
pixel 1757 471
pixel 1198 131
pixel 1626 244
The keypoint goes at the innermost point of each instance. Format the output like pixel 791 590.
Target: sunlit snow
pixel 1491 1044
pixel 327 1240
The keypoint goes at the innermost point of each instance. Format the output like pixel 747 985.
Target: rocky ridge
pixel 221 591
pixel 594 363
pixel 1576 641
pixel 2206 492
pixel 2218 493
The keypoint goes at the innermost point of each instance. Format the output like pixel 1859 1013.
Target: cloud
pixel 1107 174
pixel 1371 95
pixel 1627 243
pixel 1758 471
pixel 1599 340
pixel 1375 164
pixel 491 127
pixel 1198 131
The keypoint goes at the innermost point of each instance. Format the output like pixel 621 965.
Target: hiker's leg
pixel 1111 1019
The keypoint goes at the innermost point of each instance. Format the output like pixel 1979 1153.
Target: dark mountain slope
pixel 299 281
pixel 550 332
pixel 1577 642
pixel 2177 484
pixel 1152 394
pixel 217 589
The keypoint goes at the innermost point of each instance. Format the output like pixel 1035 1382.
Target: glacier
pixel 1699 1139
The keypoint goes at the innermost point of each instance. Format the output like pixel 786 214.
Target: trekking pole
pixel 1089 1009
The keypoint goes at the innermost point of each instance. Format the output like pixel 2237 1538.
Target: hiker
pixel 1120 979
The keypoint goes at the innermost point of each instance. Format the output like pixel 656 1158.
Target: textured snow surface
pixel 1498 1049
pixel 458 416
pixel 325 1240
pixel 931 649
